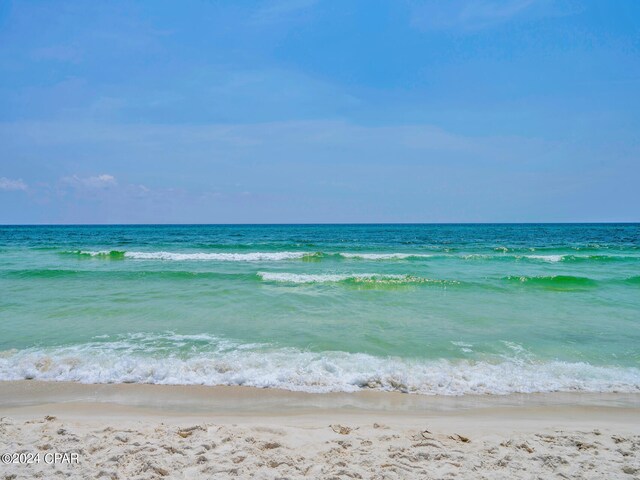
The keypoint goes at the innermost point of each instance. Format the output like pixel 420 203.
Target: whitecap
pixel 301 278
pixel 385 256
pixel 546 258
pixel 212 256
pixel 215 361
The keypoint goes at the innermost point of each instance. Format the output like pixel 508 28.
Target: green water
pixel 443 309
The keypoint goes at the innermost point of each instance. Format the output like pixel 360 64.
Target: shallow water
pixel 443 309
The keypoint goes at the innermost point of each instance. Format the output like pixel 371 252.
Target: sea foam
pixel 141 358
pixel 546 258
pixel 371 278
pixel 249 256
pixel 380 256
pixel 385 256
pixel 224 257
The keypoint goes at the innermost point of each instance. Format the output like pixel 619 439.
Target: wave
pixel 209 360
pixel 318 256
pixel 224 257
pixel 110 254
pixel 554 282
pixel 42 273
pixel 551 258
pixel 385 256
pixel 546 258
pixel 583 258
pixel 566 249
pixel 250 256
pixel 351 278
pixel 123 274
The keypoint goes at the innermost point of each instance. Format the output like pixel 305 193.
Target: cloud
pixel 301 142
pixel 8 184
pixel 58 53
pixel 280 10
pixel 104 185
pixel 311 171
pixel 94 182
pixel 467 14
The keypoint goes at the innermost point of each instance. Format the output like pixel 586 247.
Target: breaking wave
pixel 385 256
pixel 367 256
pixel 209 360
pixel 583 258
pixel 353 278
pixel 556 282
pixel 224 257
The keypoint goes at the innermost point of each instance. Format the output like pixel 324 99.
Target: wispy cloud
pixel 8 184
pixel 264 141
pixel 92 182
pixel 58 53
pixel 102 185
pixel 246 172
pixel 280 10
pixel 467 14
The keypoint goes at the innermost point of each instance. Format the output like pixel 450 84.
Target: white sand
pixel 144 431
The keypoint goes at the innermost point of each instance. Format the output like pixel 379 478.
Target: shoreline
pixel 165 431
pixel 199 400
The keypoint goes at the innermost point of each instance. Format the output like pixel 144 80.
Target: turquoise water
pixel 436 309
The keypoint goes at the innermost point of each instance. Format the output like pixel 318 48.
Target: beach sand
pixel 151 431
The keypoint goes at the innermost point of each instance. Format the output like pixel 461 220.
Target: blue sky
pixel 319 111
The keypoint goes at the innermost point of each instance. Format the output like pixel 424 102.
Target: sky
pixel 311 111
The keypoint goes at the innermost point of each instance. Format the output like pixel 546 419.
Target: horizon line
pixel 309 224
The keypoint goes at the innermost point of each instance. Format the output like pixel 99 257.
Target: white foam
pixel 250 256
pixel 464 346
pixel 276 256
pixel 546 258
pixel 316 278
pixel 286 277
pixel 384 256
pixel 212 361
pixel 477 256
pixel 224 257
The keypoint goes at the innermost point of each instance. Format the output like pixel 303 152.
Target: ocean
pixel 431 309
